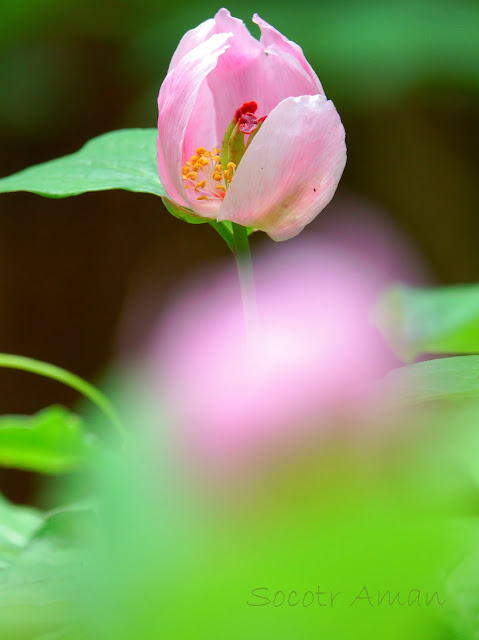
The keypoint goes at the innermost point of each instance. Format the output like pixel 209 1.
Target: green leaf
pixel 71 526
pixel 21 363
pixel 442 320
pixel 51 441
pixel 440 379
pixel 43 557
pixel 17 526
pixel 124 159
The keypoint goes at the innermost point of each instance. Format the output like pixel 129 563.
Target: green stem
pixel 21 363
pixel 246 278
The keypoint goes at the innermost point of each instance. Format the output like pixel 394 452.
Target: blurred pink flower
pixel 310 363
pixel 224 85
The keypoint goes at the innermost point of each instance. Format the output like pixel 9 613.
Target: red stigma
pixel 246 107
pixel 248 123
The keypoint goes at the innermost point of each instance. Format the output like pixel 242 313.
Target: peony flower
pixel 245 132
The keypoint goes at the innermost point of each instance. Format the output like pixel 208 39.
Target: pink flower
pixel 310 367
pixel 245 132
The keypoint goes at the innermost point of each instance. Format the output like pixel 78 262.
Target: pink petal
pixel 176 101
pixel 291 170
pixel 226 23
pixel 271 37
pixel 191 40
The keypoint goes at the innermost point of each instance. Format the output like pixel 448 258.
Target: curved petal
pixel 225 23
pixel 191 40
pixel 176 101
pixel 290 171
pixel 271 37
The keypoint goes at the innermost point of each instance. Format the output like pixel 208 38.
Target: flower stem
pixel 244 265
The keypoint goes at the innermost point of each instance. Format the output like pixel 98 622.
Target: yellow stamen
pixel 207 164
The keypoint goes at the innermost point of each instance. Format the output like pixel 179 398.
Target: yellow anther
pixel 201 166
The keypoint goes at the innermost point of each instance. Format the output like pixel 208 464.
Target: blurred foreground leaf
pixel 124 159
pixel 17 525
pixel 51 441
pixel 441 320
pixel 42 565
pixel 440 379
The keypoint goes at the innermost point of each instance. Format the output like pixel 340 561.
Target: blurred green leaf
pixel 17 525
pixel 70 526
pixel 124 159
pixel 442 320
pixel 22 363
pixel 51 441
pixel 42 565
pixel 440 379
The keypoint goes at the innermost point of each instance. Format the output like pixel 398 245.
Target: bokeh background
pixel 404 75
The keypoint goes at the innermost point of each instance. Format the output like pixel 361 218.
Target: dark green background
pixel 404 76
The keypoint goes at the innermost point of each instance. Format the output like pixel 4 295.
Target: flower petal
pixel 191 40
pixel 271 37
pixel 290 171
pixel 176 101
